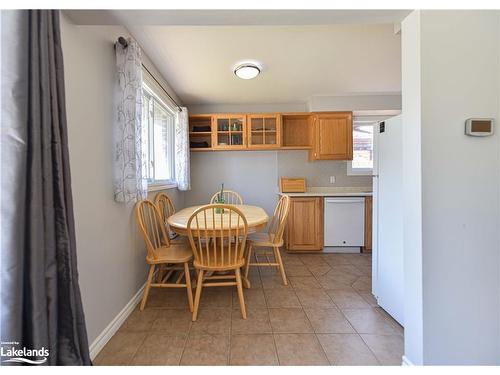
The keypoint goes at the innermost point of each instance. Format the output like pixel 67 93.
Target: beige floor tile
pixel 253 350
pixel 216 297
pixel 304 282
pixel 172 321
pixel 286 320
pixel 394 323
pixel 254 298
pixel 369 298
pixel 297 271
pixel 291 260
pixel 359 260
pixel 212 322
pixel 365 270
pixel 120 349
pixel 363 284
pixel 347 350
pixel 281 298
pixel 273 282
pixel 140 321
pixel 314 298
pixel 331 280
pixel 257 322
pixel 328 320
pixel 337 259
pixel 312 259
pixel 388 349
pixel 347 298
pixel 211 350
pixel 346 269
pixel 319 269
pixel 160 350
pixel 369 321
pixel 167 298
pixel 300 350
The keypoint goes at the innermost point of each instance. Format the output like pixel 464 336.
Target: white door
pixel 388 218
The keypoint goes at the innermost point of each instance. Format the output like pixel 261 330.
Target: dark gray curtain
pixel 40 298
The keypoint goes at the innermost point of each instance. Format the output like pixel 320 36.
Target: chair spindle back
pixel 217 234
pixel 278 222
pixel 152 227
pixel 230 197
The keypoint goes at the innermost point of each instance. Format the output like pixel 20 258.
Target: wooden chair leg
pixel 148 286
pixel 197 295
pixel 281 267
pixel 240 294
pixel 249 258
pixel 188 286
pixel 159 274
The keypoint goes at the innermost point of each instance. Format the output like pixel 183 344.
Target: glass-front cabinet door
pixel 264 131
pixel 229 131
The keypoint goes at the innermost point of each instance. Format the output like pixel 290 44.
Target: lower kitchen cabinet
pixel 305 224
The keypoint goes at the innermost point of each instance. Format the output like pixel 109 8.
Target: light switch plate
pixel 332 179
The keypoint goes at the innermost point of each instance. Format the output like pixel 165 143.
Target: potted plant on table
pixel 220 200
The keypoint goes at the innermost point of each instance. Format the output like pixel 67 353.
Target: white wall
pixel 459 78
pixel 110 250
pixel 412 188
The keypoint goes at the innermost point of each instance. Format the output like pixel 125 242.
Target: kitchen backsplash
pixel 317 173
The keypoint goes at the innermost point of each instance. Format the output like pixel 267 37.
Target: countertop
pixel 334 192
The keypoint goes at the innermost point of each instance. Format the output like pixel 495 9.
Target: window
pixel 158 138
pixel 362 142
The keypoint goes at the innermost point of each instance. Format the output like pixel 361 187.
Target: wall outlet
pixel 332 179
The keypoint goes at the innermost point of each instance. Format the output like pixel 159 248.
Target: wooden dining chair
pixel 230 197
pixel 217 234
pixel 272 239
pixel 167 209
pixel 161 253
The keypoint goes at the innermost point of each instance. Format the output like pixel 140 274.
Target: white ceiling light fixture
pixel 247 70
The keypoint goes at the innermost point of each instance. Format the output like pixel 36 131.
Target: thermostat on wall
pixel 479 127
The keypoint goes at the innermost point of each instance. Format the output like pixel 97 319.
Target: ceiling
pixel 303 53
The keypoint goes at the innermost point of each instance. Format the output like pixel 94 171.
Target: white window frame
pixel 359 171
pixel 153 90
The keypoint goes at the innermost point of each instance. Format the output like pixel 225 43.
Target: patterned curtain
pixel 130 182
pixel 182 175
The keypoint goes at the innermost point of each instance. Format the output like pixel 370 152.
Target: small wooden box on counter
pixel 292 185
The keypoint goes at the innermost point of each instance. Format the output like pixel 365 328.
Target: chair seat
pixel 175 253
pixel 262 240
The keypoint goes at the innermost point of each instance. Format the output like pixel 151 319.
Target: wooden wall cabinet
pixel 305 224
pixel 229 131
pixel 264 131
pixel 332 136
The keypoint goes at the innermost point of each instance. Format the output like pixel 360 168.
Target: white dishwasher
pixel 344 224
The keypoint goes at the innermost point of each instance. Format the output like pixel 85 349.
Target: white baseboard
pixel 406 361
pixel 115 324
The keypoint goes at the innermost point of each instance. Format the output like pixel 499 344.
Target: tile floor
pixel 325 316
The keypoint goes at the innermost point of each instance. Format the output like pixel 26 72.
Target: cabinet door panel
pixel 305 224
pixel 333 136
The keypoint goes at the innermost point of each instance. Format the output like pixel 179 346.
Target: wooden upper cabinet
pixel 305 224
pixel 229 131
pixel 332 136
pixel 264 131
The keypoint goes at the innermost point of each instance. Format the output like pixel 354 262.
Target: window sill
pixel 158 187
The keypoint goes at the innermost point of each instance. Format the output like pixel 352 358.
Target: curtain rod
pixel 124 44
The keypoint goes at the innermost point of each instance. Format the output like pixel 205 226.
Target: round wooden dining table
pixel 256 218
pixel 256 221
